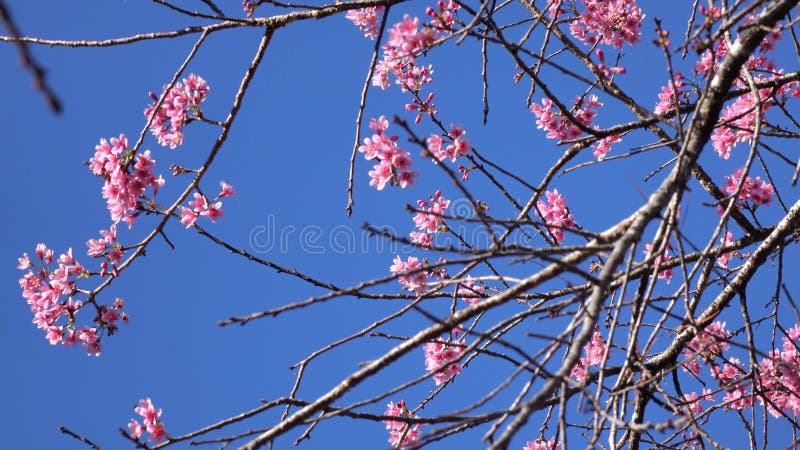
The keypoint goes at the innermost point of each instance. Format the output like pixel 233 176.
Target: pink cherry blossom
pixel 659 260
pixel 724 258
pixel 671 92
pixel 422 107
pixel 692 401
pixel 470 292
pixel 707 344
pixel 429 218
pixel 201 206
pixel 366 19
pixel 400 430
pixel 150 422
pixel 414 282
pixel 541 444
pixel 556 214
pixel 756 190
pixel 549 118
pixel 172 115
pixel 136 428
pixel 406 40
pixel 394 163
pixel 49 290
pixel 442 17
pixel 612 22
pixel 459 146
pixel 227 190
pixel 440 358
pixel 188 216
pixel 593 353
pixel 214 211
pixel 126 177
pixel 603 146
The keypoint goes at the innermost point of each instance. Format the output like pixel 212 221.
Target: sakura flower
pixel 557 125
pixel 470 291
pixel 401 434
pixel 406 40
pixel 459 146
pixel 214 211
pixel 755 190
pixel 541 444
pixel 414 282
pixel 366 19
pixel 724 258
pixel 150 422
pixel 188 216
pixel 593 355
pixel 556 214
pixel 429 218
pixel 603 146
pixel 440 358
pixel 126 177
pixel 394 164
pixel 136 429
pixel 670 93
pixel 692 401
pixel 227 190
pixel 170 117
pixel 612 22
pixel 658 261
pixel 707 344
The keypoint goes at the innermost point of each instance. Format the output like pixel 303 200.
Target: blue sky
pixel 288 158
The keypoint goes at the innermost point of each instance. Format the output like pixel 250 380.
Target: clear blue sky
pixel 288 158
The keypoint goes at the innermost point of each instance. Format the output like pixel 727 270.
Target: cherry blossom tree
pixel 584 323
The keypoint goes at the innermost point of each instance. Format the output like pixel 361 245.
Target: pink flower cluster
pixel 603 146
pixel 691 401
pixel 442 17
pixel 724 258
pixel 731 377
pixel 550 119
pixel 422 107
pixel 406 40
pixel 593 355
pixel 150 422
pixel 440 359
pixel 777 381
pixel 607 71
pixel 366 19
pixel 429 218
pixel 459 145
pixel 541 444
pixel 401 435
pixel 611 22
pixel 127 176
pixel 556 214
pixel 740 120
pixel 779 377
pixel 43 288
pixel 414 282
pixel 107 246
pixel 470 292
pixel 670 92
pixel 709 59
pixel 756 190
pixel 708 344
pixel 200 206
pixel 666 255
pixel 172 115
pixel 249 8
pixel 394 163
